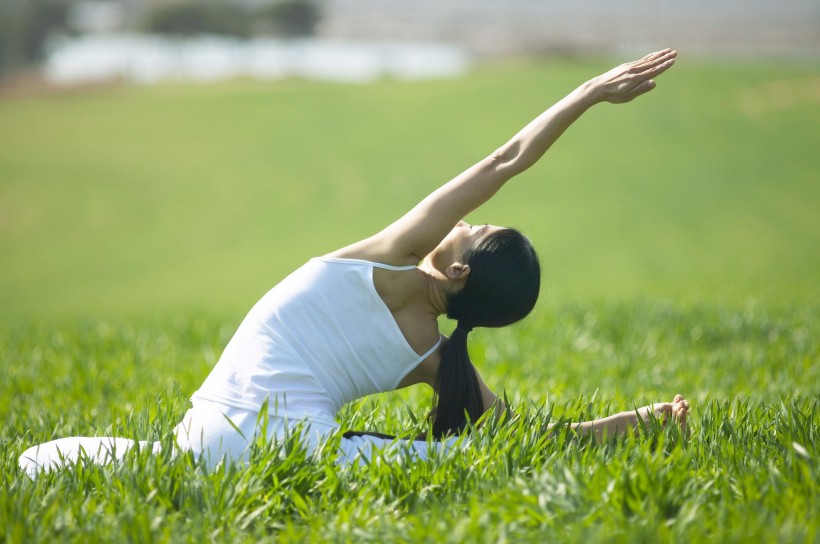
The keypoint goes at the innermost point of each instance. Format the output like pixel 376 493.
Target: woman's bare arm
pixel 605 427
pixel 419 231
pixel 628 422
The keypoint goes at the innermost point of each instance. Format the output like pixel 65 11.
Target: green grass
pixel 679 236
pixel 748 472
pixel 151 201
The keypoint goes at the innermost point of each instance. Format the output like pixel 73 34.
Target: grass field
pixel 679 237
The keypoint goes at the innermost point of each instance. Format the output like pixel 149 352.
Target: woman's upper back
pixel 322 337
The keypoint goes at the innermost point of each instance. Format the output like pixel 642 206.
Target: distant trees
pixel 286 18
pixel 291 18
pixel 191 18
pixel 27 25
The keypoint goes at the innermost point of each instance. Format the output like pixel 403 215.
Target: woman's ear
pixel 457 272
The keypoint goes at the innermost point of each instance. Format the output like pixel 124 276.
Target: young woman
pixel 363 319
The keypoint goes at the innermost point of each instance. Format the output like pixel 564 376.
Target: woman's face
pixel 460 240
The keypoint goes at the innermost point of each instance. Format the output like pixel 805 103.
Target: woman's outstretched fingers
pixel 660 53
pixel 654 61
pixel 652 69
pixel 650 57
pixel 659 67
pixel 623 83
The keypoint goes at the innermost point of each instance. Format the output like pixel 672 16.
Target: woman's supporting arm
pixel 628 422
pixel 419 231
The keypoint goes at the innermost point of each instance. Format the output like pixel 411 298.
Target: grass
pixel 144 202
pixel 748 471
pixel 679 236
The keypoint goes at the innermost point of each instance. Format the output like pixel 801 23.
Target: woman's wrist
pixel 589 94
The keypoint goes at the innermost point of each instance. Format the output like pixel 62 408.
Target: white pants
pixel 216 432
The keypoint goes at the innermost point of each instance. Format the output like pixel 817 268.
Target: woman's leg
pixel 215 432
pixel 204 430
pixel 65 452
pixel 220 432
pixel 361 447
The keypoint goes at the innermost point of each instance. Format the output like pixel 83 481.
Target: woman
pixel 363 319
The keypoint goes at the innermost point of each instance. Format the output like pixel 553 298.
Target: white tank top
pixel 320 338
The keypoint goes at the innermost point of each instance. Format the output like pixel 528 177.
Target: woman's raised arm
pixel 418 232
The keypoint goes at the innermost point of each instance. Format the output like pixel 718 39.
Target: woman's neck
pixel 436 288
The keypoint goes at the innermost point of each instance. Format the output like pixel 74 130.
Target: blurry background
pixel 146 40
pixel 172 156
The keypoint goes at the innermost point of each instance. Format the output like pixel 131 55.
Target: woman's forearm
pixel 619 85
pixel 629 421
pixel 608 427
pixel 525 148
pixel 605 427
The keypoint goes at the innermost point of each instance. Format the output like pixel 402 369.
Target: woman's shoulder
pixel 404 295
pixel 371 252
pixel 400 288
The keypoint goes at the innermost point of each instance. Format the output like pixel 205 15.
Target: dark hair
pixel 502 288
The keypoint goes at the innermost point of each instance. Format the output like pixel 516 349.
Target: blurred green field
pixel 143 202
pixel 679 237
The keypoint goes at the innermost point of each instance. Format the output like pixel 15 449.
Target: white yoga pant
pixel 217 432
pixel 66 451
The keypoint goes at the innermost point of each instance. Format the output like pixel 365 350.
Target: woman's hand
pixel 625 82
pixel 677 411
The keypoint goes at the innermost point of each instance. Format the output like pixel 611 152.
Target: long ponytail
pixel 502 288
pixel 457 389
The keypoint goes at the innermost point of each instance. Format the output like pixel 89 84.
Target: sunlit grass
pixel 749 470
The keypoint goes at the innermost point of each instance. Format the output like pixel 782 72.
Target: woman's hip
pixel 219 431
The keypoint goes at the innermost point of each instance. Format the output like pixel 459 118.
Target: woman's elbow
pixel 506 155
pixel 507 160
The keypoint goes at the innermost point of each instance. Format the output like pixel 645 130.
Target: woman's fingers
pixel 680 411
pixel 649 58
pixel 637 89
pixel 659 68
pixel 677 411
pixel 627 81
pixel 652 60
pixel 658 54
pixel 652 69
pixel 640 88
pixel 644 70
